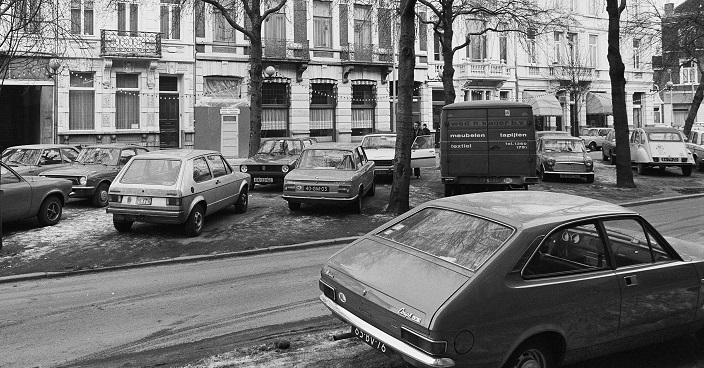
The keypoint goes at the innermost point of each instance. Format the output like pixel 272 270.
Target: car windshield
pixel 331 159
pixel 563 145
pixel 665 136
pixel 381 141
pixel 424 141
pixel 279 147
pixel 21 156
pixel 453 236
pixel 152 171
pixel 99 155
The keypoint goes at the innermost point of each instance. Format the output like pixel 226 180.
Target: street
pixel 100 319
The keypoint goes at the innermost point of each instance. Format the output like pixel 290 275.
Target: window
pixel 275 26
pixel 201 172
pixel 593 7
pixel 217 165
pixel 275 103
pixel 82 17
pixel 7 176
pixel 574 5
pixel 50 157
pixel 363 103
pixel 322 109
pixel 633 244
pixel 530 41
pixel 322 24
pixel 126 155
pixel 576 248
pixel 437 47
pixel 29 15
pixel 636 53
pixel 593 50
pixel 476 50
pixel 222 31
pixel 81 101
pixel 199 9
pixel 362 25
pixel 127 18
pixel 573 48
pixel 503 47
pixel 557 47
pixel 222 87
pixel 69 155
pixel 127 101
pixel 689 73
pixel 170 19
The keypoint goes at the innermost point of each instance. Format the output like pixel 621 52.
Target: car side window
pixel 7 176
pixel 362 156
pixel 50 157
pixel 217 165
pixel 574 248
pixel 69 155
pixel 294 147
pixel 201 172
pixel 126 155
pixel 633 244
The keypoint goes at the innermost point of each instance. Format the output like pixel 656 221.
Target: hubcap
pixel 103 196
pixel 52 211
pixel 244 198
pixel 198 220
pixel 531 359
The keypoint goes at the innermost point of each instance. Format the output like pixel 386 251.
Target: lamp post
pixel 54 65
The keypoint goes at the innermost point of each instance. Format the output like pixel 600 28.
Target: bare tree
pixel 575 76
pixel 255 13
pixel 624 174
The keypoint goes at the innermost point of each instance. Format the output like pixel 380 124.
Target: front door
pixel 168 112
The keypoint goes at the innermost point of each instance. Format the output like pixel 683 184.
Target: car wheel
pixel 372 190
pixel 122 226
pixel 242 201
pixel 194 223
pixel 700 165
pixel 687 170
pixel 641 169
pixel 590 179
pixel 357 205
pixel 543 175
pixel 100 197
pixel 449 190
pixel 592 146
pixel 50 211
pixel 612 158
pixel 532 354
pixel 604 157
pixel 294 206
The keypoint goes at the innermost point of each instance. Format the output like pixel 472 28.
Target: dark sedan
pixel 94 170
pixel 275 158
pixel 34 159
pixel 515 279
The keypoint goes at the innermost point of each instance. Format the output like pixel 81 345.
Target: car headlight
pixel 83 180
pixel 243 168
pixel 284 169
pixel 589 163
pixel 550 162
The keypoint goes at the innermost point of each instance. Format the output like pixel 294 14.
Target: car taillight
pixel 173 201
pixel 429 346
pixel 114 198
pixel 290 187
pixel 343 189
pixel 327 290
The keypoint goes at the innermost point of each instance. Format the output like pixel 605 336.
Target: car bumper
pixel 152 215
pixel 383 170
pixel 320 200
pixel 407 351
pixel 79 192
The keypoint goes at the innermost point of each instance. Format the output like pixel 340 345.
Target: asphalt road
pixel 141 317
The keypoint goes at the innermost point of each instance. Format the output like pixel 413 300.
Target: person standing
pixel 416 132
pixel 425 129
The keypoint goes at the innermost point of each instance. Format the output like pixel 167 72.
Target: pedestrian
pixel 426 131
pixel 417 130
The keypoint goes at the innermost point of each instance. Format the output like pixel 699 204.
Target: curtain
pixel 321 118
pixel 127 110
pixel 362 118
pixel 81 107
pixel 274 119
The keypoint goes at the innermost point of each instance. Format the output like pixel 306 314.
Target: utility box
pixel 487 145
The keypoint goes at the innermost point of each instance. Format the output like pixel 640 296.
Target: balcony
pixel 490 69
pixel 285 50
pixel 365 54
pixel 130 44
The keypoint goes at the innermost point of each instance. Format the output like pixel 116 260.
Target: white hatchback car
pixel 381 148
pixel 660 147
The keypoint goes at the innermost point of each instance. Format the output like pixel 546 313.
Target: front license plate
pixel 669 159
pixel 144 200
pixel 263 180
pixel 569 176
pixel 315 188
pixel 370 340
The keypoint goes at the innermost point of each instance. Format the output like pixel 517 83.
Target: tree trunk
pixel 624 173
pixel 696 101
pixel 255 88
pixel 399 197
pixel 448 70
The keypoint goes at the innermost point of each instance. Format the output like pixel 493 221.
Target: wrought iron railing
pixel 285 49
pixel 130 44
pixel 366 53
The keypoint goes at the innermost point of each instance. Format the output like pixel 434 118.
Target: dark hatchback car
pixel 275 158
pixel 94 170
pixel 515 279
pixel 34 159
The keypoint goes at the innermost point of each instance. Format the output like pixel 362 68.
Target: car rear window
pixel 456 237
pixel 665 136
pixel 327 159
pixel 152 172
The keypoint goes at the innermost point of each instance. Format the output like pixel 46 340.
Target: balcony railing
pixel 366 53
pixel 286 50
pixel 130 44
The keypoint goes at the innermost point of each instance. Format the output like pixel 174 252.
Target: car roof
pixel 380 134
pixel 331 145
pixel 179 153
pixel 43 145
pixel 559 137
pixel 659 129
pixel 286 138
pixel 114 145
pixel 529 208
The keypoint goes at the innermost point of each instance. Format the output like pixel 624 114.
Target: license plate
pixel 315 188
pixel 669 159
pixel 263 180
pixel 491 180
pixel 569 176
pixel 143 200
pixel 371 340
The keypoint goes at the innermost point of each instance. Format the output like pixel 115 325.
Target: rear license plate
pixel 143 200
pixel 491 180
pixel 569 176
pixel 263 180
pixel 315 188
pixel 370 340
pixel 669 159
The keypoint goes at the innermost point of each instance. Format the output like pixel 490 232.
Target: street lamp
pixel 54 65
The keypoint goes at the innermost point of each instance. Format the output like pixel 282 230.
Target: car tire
pixel 449 190
pixel 100 197
pixel 122 226
pixel 687 170
pixel 357 205
pixel 372 190
pixel 533 354
pixel 604 157
pixel 641 169
pixel 700 165
pixel 543 176
pixel 612 158
pixel 294 206
pixel 195 221
pixel 50 211
pixel 242 201
pixel 590 179
pixel 592 146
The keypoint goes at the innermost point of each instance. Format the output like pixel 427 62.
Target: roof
pixel 530 208
pixel 333 145
pixel 175 154
pixel 498 104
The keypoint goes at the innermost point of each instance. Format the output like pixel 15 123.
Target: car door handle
pixel 217 181
pixel 631 280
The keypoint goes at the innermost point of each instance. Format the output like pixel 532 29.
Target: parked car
pixel 31 196
pixel 563 157
pixel 381 148
pixel 34 159
pixel 660 147
pixel 275 158
pixel 176 187
pixel 608 148
pixel 594 137
pixel 94 170
pixel 514 279
pixel 330 173
pixel 695 145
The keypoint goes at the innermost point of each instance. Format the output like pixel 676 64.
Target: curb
pixel 272 249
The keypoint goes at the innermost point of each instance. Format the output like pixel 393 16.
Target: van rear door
pixel 465 143
pixel 511 142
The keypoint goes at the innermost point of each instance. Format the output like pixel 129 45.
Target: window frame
pixel 170 19
pixel 81 22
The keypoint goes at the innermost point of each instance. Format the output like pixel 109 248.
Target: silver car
pixel 176 187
